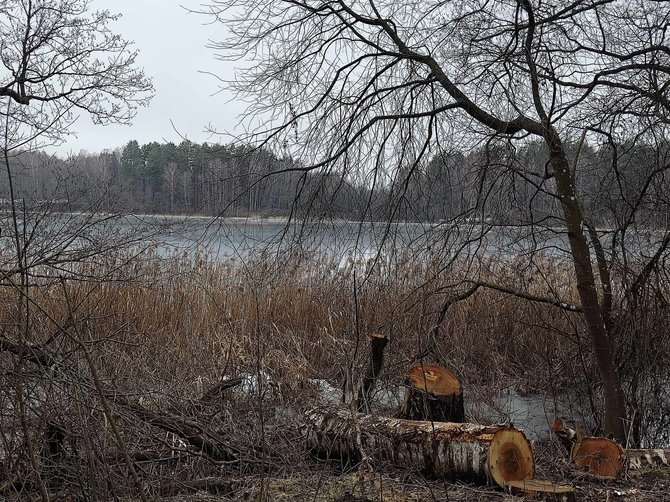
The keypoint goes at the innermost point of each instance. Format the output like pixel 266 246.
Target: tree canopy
pixel 379 87
pixel 59 59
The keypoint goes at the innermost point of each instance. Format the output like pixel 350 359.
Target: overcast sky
pixel 172 51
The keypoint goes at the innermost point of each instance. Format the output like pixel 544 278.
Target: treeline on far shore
pixel 494 183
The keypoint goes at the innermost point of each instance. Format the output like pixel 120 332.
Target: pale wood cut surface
pixel 536 489
pixel 600 456
pixel 434 379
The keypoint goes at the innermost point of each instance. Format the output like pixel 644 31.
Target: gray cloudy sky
pixel 172 51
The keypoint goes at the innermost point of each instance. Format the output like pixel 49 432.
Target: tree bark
pixel 615 407
pixel 378 343
pixel 648 458
pixel 443 450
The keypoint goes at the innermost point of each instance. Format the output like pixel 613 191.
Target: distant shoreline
pixel 259 219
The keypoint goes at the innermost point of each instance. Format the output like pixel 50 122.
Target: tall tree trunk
pixel 615 407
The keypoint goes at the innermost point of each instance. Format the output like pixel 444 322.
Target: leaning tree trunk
pixel 432 393
pixel 444 450
pixel 615 407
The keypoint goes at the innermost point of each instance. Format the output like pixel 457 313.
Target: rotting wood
pixel 378 343
pixel 433 393
pixel 437 449
pixel 536 489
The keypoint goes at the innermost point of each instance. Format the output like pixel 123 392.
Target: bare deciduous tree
pixel 381 86
pixel 57 60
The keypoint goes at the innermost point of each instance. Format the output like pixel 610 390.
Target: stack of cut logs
pixel 430 435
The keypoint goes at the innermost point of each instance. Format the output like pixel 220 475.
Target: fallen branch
pixel 214 486
pixel 146 456
pixel 217 390
pixel 190 432
pixel 527 296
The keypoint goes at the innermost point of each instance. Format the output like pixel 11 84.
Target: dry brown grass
pixel 163 331
pixel 181 322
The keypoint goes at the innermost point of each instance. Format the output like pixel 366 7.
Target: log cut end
pixel 434 379
pixel 599 456
pixel 510 457
pixel 536 489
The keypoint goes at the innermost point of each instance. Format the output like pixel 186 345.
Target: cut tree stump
pixel 599 456
pixel 432 393
pixel 442 450
pixel 378 343
pixel 535 489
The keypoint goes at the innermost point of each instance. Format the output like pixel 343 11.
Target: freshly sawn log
pixel 534 489
pixel 433 393
pixel 646 458
pixel 444 450
pixel 597 455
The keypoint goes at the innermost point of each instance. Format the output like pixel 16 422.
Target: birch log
pixel 437 449
pixel 597 455
pixel 648 458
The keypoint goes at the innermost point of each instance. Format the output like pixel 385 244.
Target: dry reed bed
pixel 162 331
pixel 175 325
